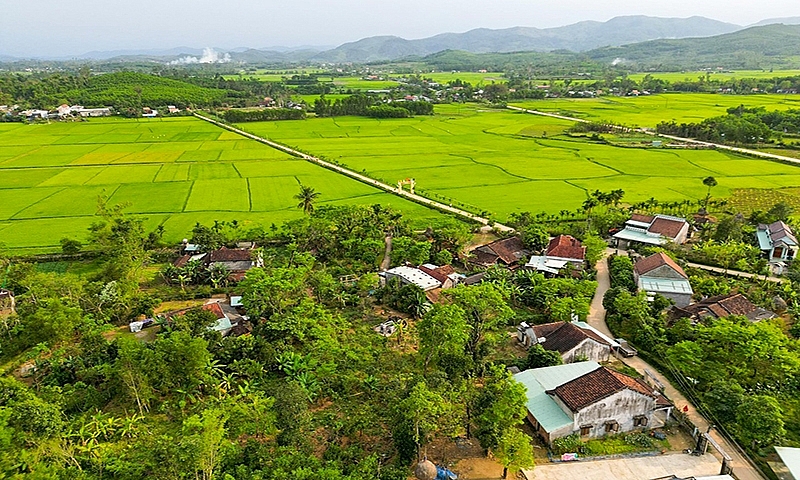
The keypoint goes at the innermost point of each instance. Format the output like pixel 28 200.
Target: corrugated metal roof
pixel 763 240
pixel 634 235
pixel 664 285
pixel 415 276
pixel 538 381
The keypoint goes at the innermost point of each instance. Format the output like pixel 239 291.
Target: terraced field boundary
pixel 361 178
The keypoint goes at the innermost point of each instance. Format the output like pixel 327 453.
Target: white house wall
pixel 590 349
pixel 621 407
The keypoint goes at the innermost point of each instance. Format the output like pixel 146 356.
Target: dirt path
pixel 597 312
pixel 742 468
pixel 361 178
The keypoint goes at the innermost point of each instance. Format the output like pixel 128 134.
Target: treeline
pixel 131 90
pixel 368 106
pixel 740 125
pixel 239 116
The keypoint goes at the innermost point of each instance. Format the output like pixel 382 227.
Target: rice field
pixel 501 162
pixel 715 75
pixel 647 111
pixel 173 172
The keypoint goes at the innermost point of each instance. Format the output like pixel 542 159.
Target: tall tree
pixel 307 197
pixel 499 407
pixel 443 331
pixel 514 451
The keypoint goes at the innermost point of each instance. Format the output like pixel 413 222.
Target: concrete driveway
pixel 641 468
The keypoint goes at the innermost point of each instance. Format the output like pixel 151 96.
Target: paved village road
pixel 742 468
pixel 361 178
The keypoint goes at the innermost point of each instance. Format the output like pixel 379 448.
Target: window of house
pixel 586 429
pixel 612 427
pixel 640 421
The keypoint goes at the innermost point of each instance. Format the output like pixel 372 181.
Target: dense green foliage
pixel 370 106
pixel 741 125
pixel 313 392
pixel 266 114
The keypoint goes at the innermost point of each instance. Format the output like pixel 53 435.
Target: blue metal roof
pixel 538 381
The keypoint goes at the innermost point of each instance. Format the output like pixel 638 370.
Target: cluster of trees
pixel 740 126
pixel 312 377
pixel 370 106
pixel 131 91
pixel 741 373
pixel 744 129
pixel 264 114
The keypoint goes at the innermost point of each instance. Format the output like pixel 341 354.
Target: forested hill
pixel 756 47
pixel 128 89
pixel 772 46
pixel 577 37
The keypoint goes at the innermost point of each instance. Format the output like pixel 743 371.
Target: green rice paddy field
pixel 736 74
pixel 174 172
pixel 647 111
pixel 504 162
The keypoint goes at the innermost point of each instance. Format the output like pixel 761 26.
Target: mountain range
pixel 609 37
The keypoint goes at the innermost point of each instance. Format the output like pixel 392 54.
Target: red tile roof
pixel 214 308
pixel 723 306
pixel 638 217
pixel 510 250
pixel 654 261
pixel 564 336
pixel 666 227
pixel 440 277
pixel 446 270
pixel 597 385
pixel 566 246
pixel 182 261
pixel 225 254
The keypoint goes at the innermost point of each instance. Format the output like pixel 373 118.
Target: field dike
pixel 362 178
pixel 744 151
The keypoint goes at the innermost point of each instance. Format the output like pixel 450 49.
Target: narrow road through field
pixel 361 178
pixel 647 131
pixel 743 469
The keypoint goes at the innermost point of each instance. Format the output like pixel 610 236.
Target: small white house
pixel 777 241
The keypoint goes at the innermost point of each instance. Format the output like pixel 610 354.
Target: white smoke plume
pixel 618 60
pixel 209 56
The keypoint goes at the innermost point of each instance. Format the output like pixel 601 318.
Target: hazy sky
pixel 73 27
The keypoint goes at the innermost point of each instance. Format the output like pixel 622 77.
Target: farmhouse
pixel 777 241
pixel 721 306
pixel 589 400
pixel 411 276
pixel 562 250
pixel 507 251
pixel 446 275
pixel 575 341
pixel 653 230
pixel 659 274
pixel 237 260
pixel 94 112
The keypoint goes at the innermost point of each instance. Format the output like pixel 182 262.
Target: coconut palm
pixel 307 197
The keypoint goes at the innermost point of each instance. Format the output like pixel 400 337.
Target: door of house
pixel 777 252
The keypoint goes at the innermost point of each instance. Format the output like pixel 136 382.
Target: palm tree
pixel 307 197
